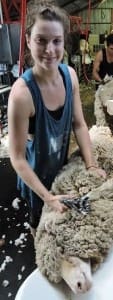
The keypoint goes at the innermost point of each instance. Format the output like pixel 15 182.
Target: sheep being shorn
pixel 65 242
pixel 102 97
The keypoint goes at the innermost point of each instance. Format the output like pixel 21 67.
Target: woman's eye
pixel 41 41
pixel 57 41
pixel 44 42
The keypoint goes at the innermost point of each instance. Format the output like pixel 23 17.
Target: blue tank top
pixel 47 153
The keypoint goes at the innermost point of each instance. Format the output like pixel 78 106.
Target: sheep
pixel 72 245
pixel 102 97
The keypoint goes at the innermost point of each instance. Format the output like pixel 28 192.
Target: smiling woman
pixel 41 105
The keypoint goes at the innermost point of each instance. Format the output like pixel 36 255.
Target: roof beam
pixel 66 3
pixel 77 10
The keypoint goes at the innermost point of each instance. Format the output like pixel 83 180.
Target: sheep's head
pixel 77 274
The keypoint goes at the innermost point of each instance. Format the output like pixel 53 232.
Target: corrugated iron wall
pixel 101 18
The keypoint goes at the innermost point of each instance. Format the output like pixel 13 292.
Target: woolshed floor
pixel 17 254
pixel 17 257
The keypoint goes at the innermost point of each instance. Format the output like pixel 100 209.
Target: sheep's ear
pixel 75 261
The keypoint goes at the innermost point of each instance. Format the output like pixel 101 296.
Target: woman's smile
pixel 49 59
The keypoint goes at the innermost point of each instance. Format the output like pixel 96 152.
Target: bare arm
pixel 96 66
pixel 20 108
pixel 79 125
pixel 80 128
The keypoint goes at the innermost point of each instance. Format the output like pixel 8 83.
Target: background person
pixel 103 63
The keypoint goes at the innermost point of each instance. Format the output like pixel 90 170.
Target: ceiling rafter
pixel 75 6
pixel 80 8
pixel 66 3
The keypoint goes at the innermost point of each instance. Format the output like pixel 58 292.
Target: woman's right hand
pixel 55 202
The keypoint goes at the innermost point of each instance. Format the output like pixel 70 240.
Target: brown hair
pixel 46 11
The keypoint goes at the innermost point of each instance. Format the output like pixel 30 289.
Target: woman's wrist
pixel 47 198
pixel 92 166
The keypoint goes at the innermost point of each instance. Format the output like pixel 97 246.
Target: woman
pixel 41 105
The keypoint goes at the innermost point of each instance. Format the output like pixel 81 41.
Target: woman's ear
pixel 28 41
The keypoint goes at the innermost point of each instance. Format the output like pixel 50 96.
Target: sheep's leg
pixel 77 274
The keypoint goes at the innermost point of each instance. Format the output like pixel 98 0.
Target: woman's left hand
pixel 99 171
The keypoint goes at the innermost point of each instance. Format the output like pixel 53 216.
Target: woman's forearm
pixel 96 76
pixel 84 143
pixel 25 172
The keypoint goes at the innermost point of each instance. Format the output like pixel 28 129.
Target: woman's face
pixel 46 43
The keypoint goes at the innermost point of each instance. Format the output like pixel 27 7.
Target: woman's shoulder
pixel 19 87
pixel 73 76
pixel 70 70
pixel 20 92
pixel 20 98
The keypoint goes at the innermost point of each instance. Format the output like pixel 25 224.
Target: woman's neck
pixel 46 76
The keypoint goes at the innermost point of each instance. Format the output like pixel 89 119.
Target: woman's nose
pixel 49 47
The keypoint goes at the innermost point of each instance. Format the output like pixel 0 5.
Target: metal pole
pixel 22 36
pixel 1 14
pixel 5 10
